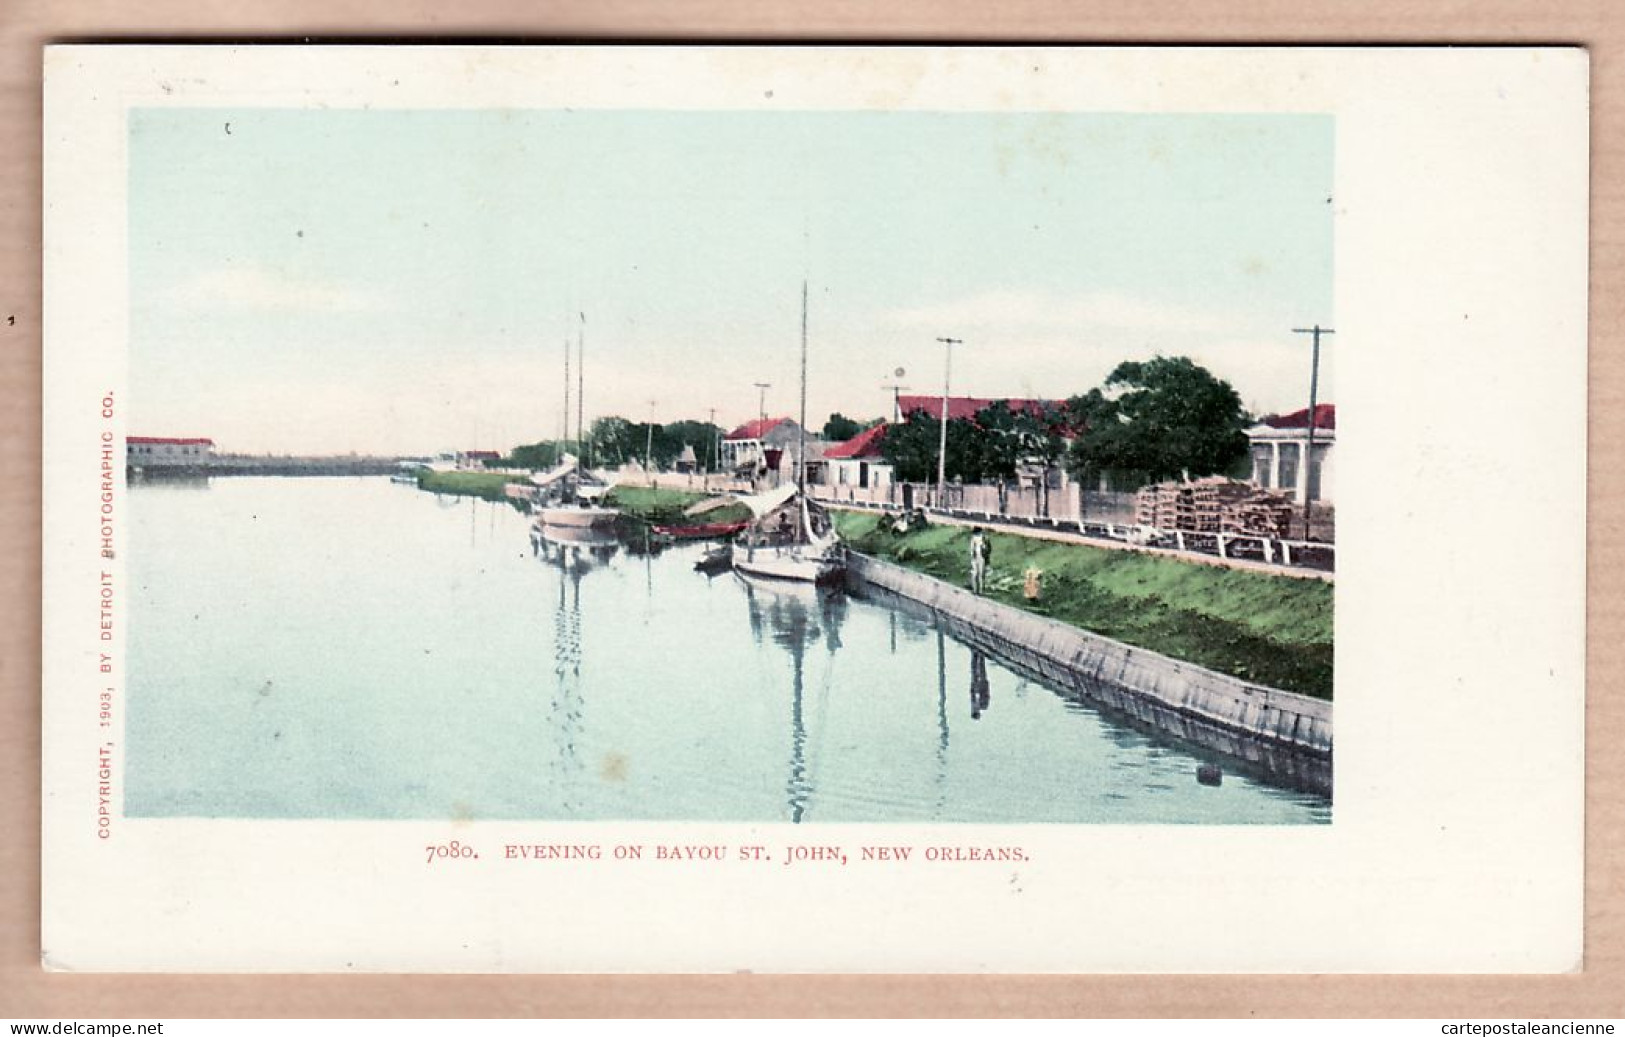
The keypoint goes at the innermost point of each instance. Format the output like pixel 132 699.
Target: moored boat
pixel 701 531
pixel 789 536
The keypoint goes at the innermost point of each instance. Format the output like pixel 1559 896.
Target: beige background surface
pixel 26 992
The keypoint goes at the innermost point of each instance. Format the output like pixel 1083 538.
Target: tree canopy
pixel 984 448
pixel 541 455
pixel 911 448
pixel 840 428
pixel 615 440
pixel 1160 418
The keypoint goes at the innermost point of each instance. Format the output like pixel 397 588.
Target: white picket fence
pixel 1023 508
pixel 1104 516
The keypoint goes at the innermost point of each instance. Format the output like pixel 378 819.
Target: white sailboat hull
pixel 577 516
pixel 803 563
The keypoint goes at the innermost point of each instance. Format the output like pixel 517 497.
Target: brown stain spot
pixel 1252 266
pixel 462 813
pixel 613 767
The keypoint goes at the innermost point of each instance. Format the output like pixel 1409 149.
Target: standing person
pixel 980 551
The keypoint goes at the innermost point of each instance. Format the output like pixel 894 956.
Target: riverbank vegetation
pixel 1275 630
pixel 488 485
pixel 664 506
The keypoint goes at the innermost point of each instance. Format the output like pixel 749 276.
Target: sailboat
pixel 789 536
pixel 569 494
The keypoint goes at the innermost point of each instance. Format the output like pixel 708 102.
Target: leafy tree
pixel 911 448
pixel 544 454
pixel 614 441
pixel 701 435
pixel 1158 418
pixel 840 428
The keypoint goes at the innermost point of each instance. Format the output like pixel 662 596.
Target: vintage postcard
pixel 814 509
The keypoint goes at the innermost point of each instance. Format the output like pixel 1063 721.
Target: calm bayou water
pixel 353 648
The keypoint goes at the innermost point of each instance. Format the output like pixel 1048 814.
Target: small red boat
pixel 700 532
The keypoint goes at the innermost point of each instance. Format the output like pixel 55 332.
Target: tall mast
pixel 564 437
pixel 581 384
pixel 801 459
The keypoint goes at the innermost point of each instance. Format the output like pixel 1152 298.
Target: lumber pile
pixel 1262 513
pixel 1213 505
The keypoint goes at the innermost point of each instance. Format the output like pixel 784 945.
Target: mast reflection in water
pixel 798 615
pixel 423 658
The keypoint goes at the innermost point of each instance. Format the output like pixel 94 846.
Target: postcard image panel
pixel 766 495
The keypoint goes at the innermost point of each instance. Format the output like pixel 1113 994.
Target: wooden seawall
pixel 1285 734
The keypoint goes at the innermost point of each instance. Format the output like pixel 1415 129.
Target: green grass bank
pixel 1274 630
pixel 664 506
pixel 468 484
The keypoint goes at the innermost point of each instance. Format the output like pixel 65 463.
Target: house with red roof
pixel 859 461
pixel 167 452
pixel 966 407
pixel 1279 445
pixel 764 445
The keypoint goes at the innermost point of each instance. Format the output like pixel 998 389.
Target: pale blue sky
pixel 403 280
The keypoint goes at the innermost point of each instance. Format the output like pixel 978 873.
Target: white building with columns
pixel 1280 444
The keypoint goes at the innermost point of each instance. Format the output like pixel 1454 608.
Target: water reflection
pixel 573 549
pixel 981 694
pixel 942 719
pixel 796 617
pixel 157 479
pixel 592 679
pixel 1140 728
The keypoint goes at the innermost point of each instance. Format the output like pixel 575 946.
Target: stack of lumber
pixel 1213 505
pixel 1261 513
pixel 1161 505
pixel 1210 502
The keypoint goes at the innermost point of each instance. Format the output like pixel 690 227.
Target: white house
pixel 1279 444
pixel 858 461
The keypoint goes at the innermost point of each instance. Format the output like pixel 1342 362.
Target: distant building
pixel 165 452
pixel 686 461
pixel 1278 445
pixel 758 447
pixel 859 461
pixel 467 459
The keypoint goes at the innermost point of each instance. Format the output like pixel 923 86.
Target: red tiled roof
pixel 864 444
pixel 961 407
pixel 1325 417
pixel 755 429
pixel 166 440
pixel 483 454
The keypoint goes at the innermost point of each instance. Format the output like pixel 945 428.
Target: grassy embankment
pixel 1275 630
pixel 660 505
pixel 468 484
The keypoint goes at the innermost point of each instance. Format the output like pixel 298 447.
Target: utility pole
pixel 761 415
pixel 716 441
pixel 948 345
pixel 761 399
pixel 1314 387
pixel 896 400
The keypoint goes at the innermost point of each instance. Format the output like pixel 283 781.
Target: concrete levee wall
pixel 1161 690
